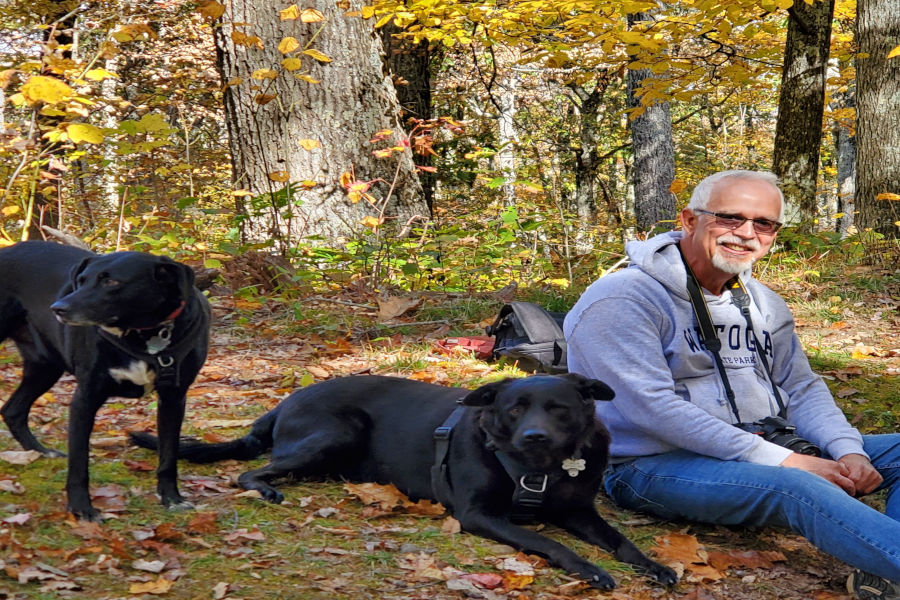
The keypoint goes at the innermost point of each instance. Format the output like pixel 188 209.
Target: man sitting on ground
pixel 676 452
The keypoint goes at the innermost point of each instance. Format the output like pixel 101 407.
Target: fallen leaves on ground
pixel 387 498
pixel 158 587
pixel 20 457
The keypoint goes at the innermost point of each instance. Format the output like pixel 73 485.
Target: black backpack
pixel 531 336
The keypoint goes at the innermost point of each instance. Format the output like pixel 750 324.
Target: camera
pixel 778 431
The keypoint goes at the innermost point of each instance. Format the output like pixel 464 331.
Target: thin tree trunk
pixel 270 117
pixel 878 116
pixel 507 138
pixel 798 131
pixel 59 42
pixel 587 162
pixel 410 66
pixel 845 151
pixel 654 155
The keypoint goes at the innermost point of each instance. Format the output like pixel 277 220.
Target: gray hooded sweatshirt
pixel 635 330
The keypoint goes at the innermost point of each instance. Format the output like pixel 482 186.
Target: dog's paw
pixel 272 495
pixel 90 514
pixel 662 574
pixel 51 453
pixel 599 579
pixel 179 505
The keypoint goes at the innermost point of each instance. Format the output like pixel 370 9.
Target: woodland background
pixel 357 183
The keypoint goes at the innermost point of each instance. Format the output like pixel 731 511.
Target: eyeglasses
pixel 729 221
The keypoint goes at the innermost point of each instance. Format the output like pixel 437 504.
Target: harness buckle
pixel 524 485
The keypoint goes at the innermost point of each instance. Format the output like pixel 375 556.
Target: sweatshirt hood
pixel 660 259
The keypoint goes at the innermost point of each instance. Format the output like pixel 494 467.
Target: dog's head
pixel 124 290
pixel 543 419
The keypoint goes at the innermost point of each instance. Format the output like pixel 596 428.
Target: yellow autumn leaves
pixel 49 92
pixel 306 15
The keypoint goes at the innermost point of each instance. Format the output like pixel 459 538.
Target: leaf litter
pixel 342 538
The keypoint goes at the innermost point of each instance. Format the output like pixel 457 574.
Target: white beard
pixel 731 265
pixel 735 267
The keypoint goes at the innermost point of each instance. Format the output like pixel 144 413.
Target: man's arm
pixel 811 407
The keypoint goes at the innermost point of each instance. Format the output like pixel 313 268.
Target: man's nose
pixel 745 230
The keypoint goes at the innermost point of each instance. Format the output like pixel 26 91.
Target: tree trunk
pixel 845 152
pixel 507 137
pixel 798 131
pixel 410 66
pixel 878 116
pixel 654 155
pixel 270 116
pixel 59 40
pixel 587 160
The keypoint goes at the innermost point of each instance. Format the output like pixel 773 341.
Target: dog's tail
pixel 248 447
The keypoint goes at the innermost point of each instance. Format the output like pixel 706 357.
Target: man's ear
pixel 688 221
pixel 485 395
pixel 590 389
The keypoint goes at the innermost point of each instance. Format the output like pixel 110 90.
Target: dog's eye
pixel 109 282
pixel 516 411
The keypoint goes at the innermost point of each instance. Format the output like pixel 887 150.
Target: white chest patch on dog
pixel 138 373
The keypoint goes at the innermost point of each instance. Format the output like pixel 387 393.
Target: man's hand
pixel 865 477
pixel 836 472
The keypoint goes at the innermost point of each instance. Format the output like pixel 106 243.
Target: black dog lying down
pixel 122 323
pixel 536 438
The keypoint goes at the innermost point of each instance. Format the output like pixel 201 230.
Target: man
pixel 675 451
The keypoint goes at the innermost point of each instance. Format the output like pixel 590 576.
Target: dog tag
pixel 160 341
pixel 573 466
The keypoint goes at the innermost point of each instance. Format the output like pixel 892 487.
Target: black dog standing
pixel 520 450
pixel 122 323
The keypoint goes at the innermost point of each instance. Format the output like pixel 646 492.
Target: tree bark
pixel 59 39
pixel 268 117
pixel 798 131
pixel 410 66
pixel 507 136
pixel 587 160
pixel 654 154
pixel 845 151
pixel 878 115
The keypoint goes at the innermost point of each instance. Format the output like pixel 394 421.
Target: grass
pixel 302 551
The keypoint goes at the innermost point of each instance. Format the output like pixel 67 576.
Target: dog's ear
pixel 592 389
pixel 484 395
pixel 73 275
pixel 177 274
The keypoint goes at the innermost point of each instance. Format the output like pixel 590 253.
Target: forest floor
pixel 331 540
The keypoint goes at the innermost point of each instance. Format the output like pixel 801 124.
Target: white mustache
pixel 728 238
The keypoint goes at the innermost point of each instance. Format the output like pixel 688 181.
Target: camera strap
pixel 708 337
pixel 742 300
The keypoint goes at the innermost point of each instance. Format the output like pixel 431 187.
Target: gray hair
pixel 704 189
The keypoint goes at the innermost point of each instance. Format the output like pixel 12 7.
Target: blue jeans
pixel 685 485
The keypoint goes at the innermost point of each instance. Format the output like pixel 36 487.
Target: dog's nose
pixel 535 436
pixel 60 309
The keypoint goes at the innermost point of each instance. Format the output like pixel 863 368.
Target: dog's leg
pixel 37 378
pixel 258 479
pixel 169 417
pixel 584 522
pixel 307 447
pixel 82 412
pixel 502 530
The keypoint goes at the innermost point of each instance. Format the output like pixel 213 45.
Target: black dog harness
pixel 159 350
pixel 531 486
